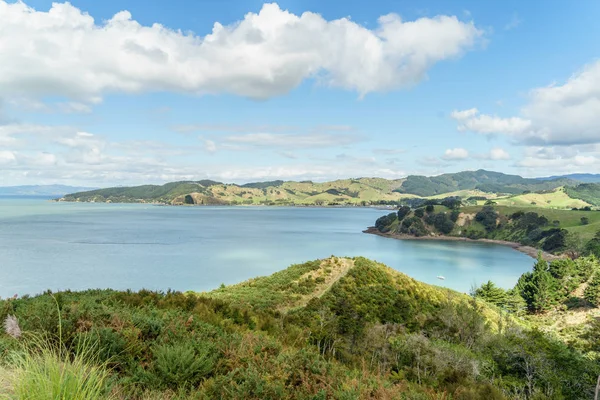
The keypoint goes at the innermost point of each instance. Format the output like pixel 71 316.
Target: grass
pixel 555 199
pixel 569 219
pixel 47 374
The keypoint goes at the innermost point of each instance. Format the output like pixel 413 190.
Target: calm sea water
pixel 46 245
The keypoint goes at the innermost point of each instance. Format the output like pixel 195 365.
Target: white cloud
pixel 564 114
pixel 65 52
pixel 498 153
pixel 471 120
pixel 455 154
pixel 465 114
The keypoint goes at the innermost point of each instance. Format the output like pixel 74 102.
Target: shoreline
pixel 527 250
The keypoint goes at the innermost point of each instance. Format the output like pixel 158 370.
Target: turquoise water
pixel 47 245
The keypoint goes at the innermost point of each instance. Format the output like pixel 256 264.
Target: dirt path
pixel 331 270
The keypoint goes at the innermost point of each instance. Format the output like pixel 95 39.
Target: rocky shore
pixel 530 251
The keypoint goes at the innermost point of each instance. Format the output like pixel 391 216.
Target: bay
pixel 47 245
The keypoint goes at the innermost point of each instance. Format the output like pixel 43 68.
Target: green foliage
pixel 180 365
pixel 403 211
pixel 41 371
pixel 383 223
pixel 588 192
pixel 487 217
pixel 486 181
pixel 491 293
pixel 374 333
pixel 592 292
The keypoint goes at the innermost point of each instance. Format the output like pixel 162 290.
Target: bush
pixel 487 217
pixel 403 211
pixel 182 365
pixel 383 223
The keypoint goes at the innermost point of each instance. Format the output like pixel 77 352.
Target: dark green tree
pixel 491 293
pixel 403 211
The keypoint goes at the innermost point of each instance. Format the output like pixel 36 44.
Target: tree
pixel 419 212
pixel 403 211
pixel 538 288
pixel 491 293
pixel 487 217
pixel 454 215
pixel 585 220
pixel 593 246
pixel 383 223
pixel 429 208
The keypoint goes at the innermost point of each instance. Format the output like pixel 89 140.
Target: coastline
pixel 527 250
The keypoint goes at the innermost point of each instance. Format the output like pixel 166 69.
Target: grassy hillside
pixel 329 329
pixel 588 192
pixel 557 198
pixel 362 191
pixel 485 181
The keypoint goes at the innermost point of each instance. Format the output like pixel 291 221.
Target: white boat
pixel 440 277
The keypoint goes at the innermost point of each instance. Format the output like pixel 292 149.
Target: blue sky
pixel 243 91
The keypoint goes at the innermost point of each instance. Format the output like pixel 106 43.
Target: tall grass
pixel 43 370
pixel 45 373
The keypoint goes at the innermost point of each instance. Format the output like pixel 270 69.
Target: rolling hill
pixel 337 328
pixel 482 180
pixel 361 191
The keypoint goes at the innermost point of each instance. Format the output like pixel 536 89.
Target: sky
pixel 106 93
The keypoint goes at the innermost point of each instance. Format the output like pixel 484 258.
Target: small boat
pixel 440 277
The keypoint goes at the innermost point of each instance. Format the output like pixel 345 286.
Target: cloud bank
pixel 65 52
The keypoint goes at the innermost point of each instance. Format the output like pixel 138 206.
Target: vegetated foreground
pixel 336 328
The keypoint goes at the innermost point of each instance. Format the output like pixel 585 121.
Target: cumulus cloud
pixel 472 120
pixel 455 154
pixel 566 114
pixel 65 52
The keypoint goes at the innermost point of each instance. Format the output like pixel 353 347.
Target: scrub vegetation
pixel 336 328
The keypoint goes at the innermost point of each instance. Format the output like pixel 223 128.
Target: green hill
pixel 361 191
pixel 588 192
pixel 485 181
pixel 329 329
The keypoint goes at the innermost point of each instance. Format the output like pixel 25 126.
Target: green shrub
pixel 183 364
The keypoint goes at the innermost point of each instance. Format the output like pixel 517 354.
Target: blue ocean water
pixel 48 245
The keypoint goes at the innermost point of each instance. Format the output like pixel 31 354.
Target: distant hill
pixel 589 192
pixel 585 178
pixel 40 190
pixel 360 191
pixel 482 180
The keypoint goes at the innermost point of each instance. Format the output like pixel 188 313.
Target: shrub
pixel 182 364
